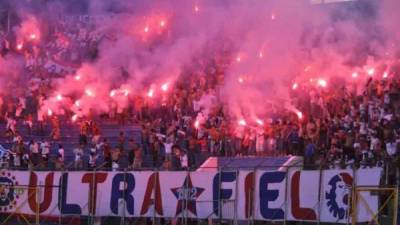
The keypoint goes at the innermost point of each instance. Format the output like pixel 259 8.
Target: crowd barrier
pixel 293 194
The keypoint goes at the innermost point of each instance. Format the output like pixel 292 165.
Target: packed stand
pixel 338 127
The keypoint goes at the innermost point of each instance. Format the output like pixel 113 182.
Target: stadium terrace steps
pixel 70 138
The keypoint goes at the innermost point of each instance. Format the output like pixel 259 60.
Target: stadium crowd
pixel 337 127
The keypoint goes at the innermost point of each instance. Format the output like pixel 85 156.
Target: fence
pixel 225 195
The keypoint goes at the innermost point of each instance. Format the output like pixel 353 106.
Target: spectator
pixel 182 157
pixel 168 148
pixel 155 151
pixel 17 153
pixel 121 141
pixel 83 137
pixel 309 154
pixel 107 154
pixel 26 161
pixel 260 141
pixel 96 135
pixel 92 157
pixel 34 152
pixel 391 148
pixel 78 162
pixel 294 141
pixel 45 146
pixel 137 163
pixel 131 153
pixel 167 165
pixel 60 158
pixel 115 155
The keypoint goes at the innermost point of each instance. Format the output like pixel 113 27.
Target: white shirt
pixel 386 99
pixel 10 124
pixel 184 161
pixel 200 133
pixel 363 129
pixel 45 146
pixel 168 148
pixel 115 166
pixel 18 111
pixel 391 148
pixel 374 143
pixel 388 117
pixel 34 147
pixel 61 154
pixel 78 154
pixel 93 156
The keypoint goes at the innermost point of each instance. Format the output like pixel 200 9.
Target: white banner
pixel 295 195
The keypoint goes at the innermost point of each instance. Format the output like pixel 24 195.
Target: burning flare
pixel 59 97
pixel 385 75
pixel 242 122
pixel 89 93
pixel 32 36
pixel 196 8
pixel 299 115
pixel 164 87
pixel 162 23
pixel 371 72
pixel 126 92
pixel 20 46
pixel 238 58
pixel 150 93
pixel 322 83
pixel 273 16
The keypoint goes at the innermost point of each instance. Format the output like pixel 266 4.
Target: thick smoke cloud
pixel 148 45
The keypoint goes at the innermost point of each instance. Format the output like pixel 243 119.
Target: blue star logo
pixel 187 195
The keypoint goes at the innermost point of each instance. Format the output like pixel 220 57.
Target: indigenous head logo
pixel 338 198
pixel 8 193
